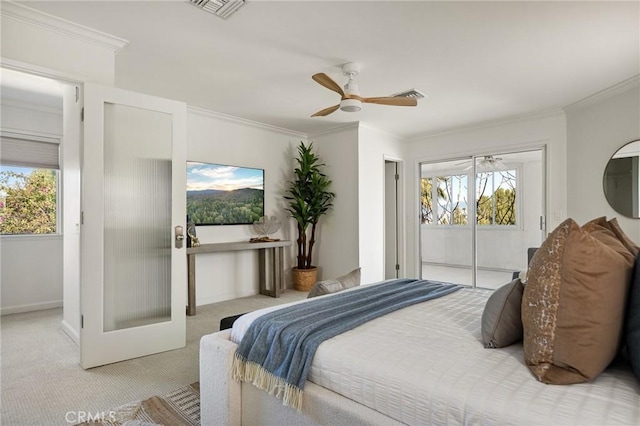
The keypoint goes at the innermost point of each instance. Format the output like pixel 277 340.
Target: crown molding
pixel 15 103
pixel 244 121
pixel 600 96
pixel 491 123
pixel 348 126
pixel 384 132
pixel 58 25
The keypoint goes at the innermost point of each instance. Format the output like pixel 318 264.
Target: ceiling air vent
pixel 222 8
pixel 411 93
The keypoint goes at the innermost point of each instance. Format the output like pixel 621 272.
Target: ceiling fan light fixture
pixel 350 105
pixel 490 163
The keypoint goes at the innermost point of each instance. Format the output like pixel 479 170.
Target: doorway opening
pixel 40 162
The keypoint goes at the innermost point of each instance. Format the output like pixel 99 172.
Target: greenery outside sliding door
pixel 478 216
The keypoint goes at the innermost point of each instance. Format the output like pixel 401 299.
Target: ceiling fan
pixel 488 162
pixel 350 99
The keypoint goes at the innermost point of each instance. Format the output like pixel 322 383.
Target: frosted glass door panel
pixel 137 217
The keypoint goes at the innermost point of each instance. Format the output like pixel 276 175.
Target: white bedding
pixel 426 365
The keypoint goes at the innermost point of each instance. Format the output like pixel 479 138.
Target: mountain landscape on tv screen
pixel 217 207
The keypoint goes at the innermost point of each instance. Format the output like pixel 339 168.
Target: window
pixel 28 186
pixel 451 195
pixel 495 198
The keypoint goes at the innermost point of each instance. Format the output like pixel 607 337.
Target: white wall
pixel 373 148
pixel 337 240
pixel 508 136
pixel 596 129
pixel 215 138
pixel 31 273
pixel 31 265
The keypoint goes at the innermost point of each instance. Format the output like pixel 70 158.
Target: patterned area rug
pixel 180 407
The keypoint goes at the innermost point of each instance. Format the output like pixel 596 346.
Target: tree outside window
pixel 27 200
pixel 426 200
pixel 495 198
pixel 451 195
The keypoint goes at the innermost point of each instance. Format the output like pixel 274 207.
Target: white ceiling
pixel 476 61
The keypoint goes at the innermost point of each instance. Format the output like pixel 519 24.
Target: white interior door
pixel 133 197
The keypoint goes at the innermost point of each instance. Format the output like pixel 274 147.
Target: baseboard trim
pixel 8 310
pixel 70 332
pixel 224 297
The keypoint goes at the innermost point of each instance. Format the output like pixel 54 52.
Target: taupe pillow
pixel 501 321
pixel 573 305
pixel 352 279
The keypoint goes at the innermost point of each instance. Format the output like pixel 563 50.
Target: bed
pixel 424 364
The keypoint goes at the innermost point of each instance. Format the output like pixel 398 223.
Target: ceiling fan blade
pixel 395 101
pixel 326 111
pixel 326 81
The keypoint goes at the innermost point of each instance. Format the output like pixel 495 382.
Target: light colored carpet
pixel 43 384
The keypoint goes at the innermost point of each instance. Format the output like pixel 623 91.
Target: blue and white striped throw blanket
pixel 276 352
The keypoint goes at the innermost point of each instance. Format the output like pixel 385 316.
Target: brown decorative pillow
pixel 601 230
pixel 352 279
pixel 626 241
pixel 501 321
pixel 573 304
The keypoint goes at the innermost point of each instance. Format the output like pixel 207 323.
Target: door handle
pixel 179 232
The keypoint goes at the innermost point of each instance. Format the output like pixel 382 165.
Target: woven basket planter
pixel 304 279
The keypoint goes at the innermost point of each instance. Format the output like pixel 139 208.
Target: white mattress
pixel 426 365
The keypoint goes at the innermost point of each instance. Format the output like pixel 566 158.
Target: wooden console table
pixel 277 266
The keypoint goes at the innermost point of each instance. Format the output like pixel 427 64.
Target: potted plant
pixel 309 199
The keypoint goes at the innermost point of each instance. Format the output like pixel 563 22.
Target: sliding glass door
pixel 481 242
pixel 446 237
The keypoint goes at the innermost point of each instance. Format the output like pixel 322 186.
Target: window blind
pixel 29 153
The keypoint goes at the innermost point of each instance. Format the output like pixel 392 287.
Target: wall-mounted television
pixel 219 194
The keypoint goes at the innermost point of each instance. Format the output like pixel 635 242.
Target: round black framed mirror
pixel 621 180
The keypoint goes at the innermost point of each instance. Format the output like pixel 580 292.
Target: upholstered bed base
pixel 225 402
